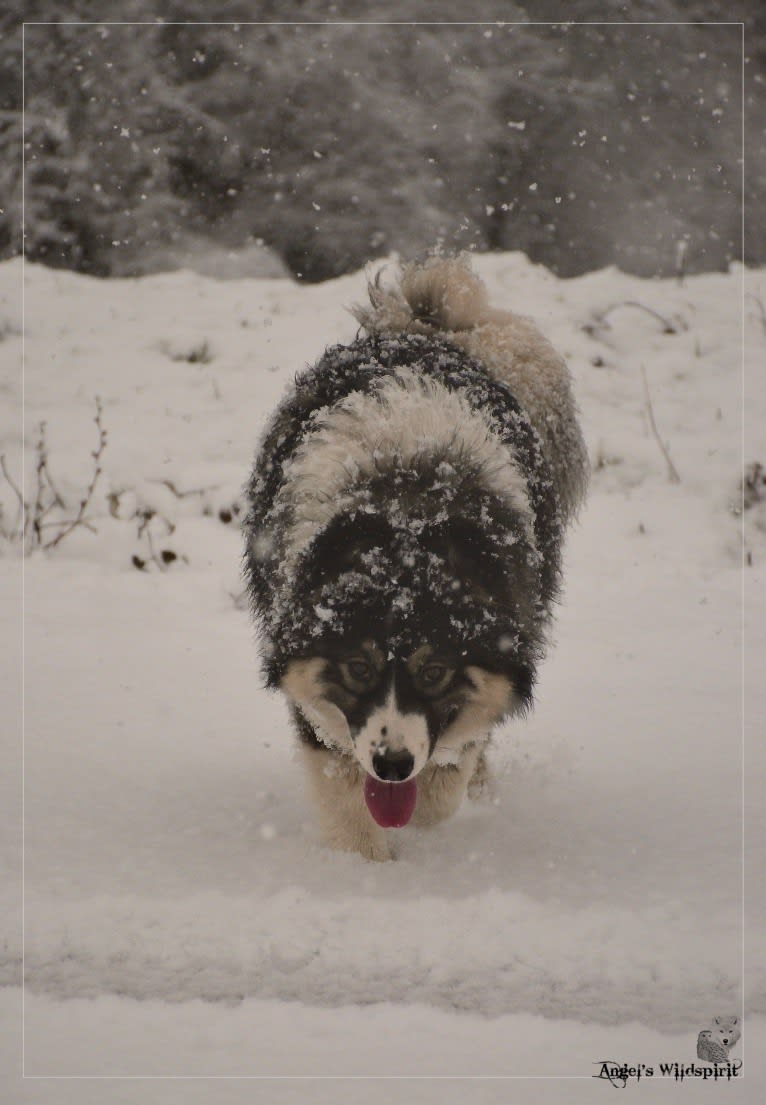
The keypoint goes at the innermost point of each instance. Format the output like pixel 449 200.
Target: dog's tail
pixel 443 296
pixel 440 294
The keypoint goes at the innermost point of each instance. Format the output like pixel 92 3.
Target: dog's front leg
pixel 337 784
pixel 441 789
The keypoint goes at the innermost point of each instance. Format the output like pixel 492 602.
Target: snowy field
pixel 181 920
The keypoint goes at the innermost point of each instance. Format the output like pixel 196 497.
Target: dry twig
pixel 668 325
pixel 79 519
pixel 184 494
pixel 673 475
pixel 761 309
pixel 21 517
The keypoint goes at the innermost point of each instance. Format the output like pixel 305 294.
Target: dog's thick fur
pixel 403 546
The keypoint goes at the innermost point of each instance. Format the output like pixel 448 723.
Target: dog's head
pixel 413 642
pixel 394 712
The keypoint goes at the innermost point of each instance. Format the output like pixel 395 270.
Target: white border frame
pixel 363 23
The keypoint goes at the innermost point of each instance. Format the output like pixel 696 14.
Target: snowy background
pixel 158 139
pixel 181 918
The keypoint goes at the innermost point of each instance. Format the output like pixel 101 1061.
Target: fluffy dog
pixel 403 546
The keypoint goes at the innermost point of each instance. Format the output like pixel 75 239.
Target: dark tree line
pixel 583 145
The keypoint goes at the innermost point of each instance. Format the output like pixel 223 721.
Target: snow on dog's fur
pixel 444 296
pixel 407 508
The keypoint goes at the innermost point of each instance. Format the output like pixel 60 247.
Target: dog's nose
pixel 394 767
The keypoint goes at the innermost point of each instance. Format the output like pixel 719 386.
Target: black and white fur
pixel 403 542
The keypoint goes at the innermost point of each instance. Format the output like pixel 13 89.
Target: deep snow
pixel 591 909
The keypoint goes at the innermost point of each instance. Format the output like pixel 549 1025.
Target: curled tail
pixel 440 294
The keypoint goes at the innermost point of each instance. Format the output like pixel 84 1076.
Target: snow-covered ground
pixel 180 917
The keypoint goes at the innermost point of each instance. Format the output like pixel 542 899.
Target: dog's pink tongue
pixel 391 804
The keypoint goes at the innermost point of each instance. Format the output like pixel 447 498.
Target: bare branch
pixel 761 309
pixel 184 494
pixel 37 506
pixel 82 522
pixel 58 499
pixel 668 326
pixel 673 475
pixel 21 518
pixel 87 498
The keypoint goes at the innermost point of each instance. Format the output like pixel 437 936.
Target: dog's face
pixel 394 712
pixel 406 657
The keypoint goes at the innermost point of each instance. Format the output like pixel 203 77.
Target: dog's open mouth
pixel 391 804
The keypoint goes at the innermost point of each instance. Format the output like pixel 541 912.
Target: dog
pixel 403 536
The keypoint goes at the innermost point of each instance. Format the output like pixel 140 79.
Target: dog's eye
pixel 358 674
pixel 434 677
pixel 359 669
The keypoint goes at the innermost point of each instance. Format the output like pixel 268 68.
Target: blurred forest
pixel 582 145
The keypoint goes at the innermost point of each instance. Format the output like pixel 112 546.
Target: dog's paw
pixel 376 850
pixel 370 846
pixel 440 793
pixel 481 786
